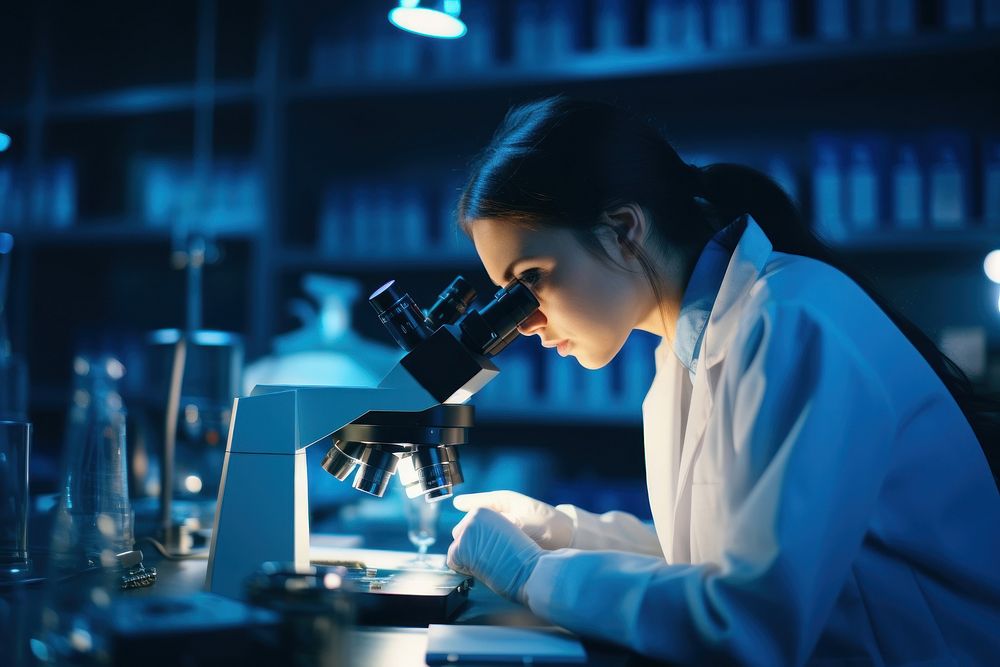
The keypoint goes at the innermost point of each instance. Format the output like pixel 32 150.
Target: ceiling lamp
pixel 436 18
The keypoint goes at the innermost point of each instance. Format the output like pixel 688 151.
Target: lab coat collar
pixel 746 265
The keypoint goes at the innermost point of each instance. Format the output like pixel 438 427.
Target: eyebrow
pixel 508 275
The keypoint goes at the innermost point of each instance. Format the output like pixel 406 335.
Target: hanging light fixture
pixel 436 18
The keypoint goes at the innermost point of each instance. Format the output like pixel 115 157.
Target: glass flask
pixel 93 524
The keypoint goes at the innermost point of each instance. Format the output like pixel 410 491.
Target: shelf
pixel 142 100
pixel 112 230
pixel 636 63
pixel 301 258
pixel 922 241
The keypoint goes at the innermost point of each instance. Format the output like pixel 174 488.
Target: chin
pixel 591 361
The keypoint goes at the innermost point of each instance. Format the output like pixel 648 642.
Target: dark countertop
pixel 369 646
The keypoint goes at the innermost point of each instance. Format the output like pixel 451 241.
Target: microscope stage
pixel 414 597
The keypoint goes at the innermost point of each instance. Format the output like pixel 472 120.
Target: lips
pixel 553 343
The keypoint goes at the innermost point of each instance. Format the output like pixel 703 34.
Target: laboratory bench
pixel 368 646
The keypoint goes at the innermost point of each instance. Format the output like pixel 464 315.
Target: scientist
pixel 816 468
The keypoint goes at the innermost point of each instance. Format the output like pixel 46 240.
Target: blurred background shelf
pixel 905 53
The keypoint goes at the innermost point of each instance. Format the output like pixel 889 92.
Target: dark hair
pixel 564 162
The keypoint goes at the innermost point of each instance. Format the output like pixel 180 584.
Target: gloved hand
pixel 493 550
pixel 546 525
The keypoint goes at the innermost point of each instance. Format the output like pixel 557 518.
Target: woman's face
pixel 587 306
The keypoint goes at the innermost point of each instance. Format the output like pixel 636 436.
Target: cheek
pixel 597 312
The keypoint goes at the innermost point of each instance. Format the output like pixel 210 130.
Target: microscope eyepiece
pixel 400 315
pixel 451 304
pixel 489 330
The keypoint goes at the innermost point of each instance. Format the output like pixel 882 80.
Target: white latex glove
pixel 493 550
pixel 543 523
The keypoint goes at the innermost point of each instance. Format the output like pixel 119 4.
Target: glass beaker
pixel 15 447
pixel 93 521
pixel 421 526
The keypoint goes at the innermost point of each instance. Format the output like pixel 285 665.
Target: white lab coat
pixel 817 495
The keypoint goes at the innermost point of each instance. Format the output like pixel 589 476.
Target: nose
pixel 533 323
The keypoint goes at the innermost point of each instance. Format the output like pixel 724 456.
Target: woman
pixel 814 465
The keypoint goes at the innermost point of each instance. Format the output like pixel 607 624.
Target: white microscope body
pixel 263 510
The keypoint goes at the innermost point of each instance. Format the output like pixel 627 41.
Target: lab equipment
pixel 907 189
pixel 194 629
pixel 13 370
pixel 15 449
pixel 610 26
pixel 314 607
pixel 863 188
pixel 194 374
pixel 991 183
pixel 774 24
pixel 900 16
pixel 948 180
pixel 730 24
pixel 94 497
pixel 91 555
pixel 828 189
pixel 832 20
pixel 416 410
pixel 421 525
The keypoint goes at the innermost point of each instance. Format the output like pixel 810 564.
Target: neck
pixel 661 320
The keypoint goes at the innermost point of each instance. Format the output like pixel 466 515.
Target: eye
pixel 531 277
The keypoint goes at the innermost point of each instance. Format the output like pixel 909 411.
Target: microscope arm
pixel 263 508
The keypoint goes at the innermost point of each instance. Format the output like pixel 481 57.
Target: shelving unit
pixel 205 80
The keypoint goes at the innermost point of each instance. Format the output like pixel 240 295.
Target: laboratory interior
pixel 249 358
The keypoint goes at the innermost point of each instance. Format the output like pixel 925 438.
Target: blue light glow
pixel 428 22
pixel 4 142
pixel 991 266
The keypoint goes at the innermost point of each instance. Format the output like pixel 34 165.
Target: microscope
pixel 411 423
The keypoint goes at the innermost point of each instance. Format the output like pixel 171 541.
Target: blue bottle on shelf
pixel 773 22
pixel 729 24
pixel 991 13
pixel 959 14
pixel 675 25
pixel 528 47
pixel 832 20
pixel 948 175
pixel 900 17
pixel 562 27
pixel 907 189
pixel 610 26
pixel 333 220
pixel 828 190
pixel 862 189
pixel 869 18
pixel 991 184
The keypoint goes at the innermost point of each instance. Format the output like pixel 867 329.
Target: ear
pixel 630 225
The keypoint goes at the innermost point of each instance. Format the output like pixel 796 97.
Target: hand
pixel 546 525
pixel 492 549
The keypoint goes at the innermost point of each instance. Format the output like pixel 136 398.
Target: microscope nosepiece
pixel 375 468
pixel 340 460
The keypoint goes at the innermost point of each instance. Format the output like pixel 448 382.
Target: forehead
pixel 501 244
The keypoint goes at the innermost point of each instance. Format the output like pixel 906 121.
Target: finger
pixel 460 527
pixel 452 559
pixel 469 501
